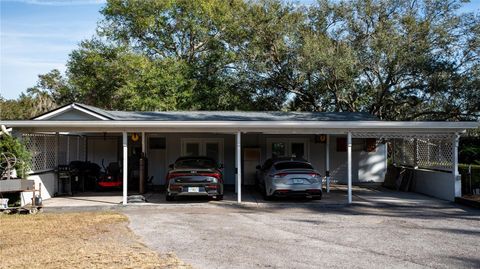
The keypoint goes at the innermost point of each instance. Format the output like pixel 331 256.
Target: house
pixel 350 147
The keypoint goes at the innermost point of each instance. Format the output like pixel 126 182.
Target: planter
pixel 14 185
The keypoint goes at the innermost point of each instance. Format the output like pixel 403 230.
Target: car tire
pixel 219 198
pixel 317 197
pixel 169 197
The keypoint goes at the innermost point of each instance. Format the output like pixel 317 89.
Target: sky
pixel 37 36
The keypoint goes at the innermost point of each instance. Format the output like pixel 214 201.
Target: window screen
pixel 157 142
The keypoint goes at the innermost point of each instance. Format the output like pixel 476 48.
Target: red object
pixel 215 175
pixel 314 190
pixel 110 184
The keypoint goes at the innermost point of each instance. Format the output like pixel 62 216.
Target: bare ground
pixel 76 240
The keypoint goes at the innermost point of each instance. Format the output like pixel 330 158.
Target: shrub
pixel 10 144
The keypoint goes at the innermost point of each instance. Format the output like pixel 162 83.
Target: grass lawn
pixel 75 240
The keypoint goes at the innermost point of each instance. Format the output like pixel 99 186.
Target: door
pixel 287 147
pixel 210 147
pixel 156 153
pixel 251 158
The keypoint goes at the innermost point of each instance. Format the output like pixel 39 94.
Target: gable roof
pixel 88 110
pixel 208 115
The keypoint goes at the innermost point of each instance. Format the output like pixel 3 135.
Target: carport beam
pixel 143 142
pixel 456 175
pixel 349 152
pixel 327 162
pixel 125 167
pixel 239 167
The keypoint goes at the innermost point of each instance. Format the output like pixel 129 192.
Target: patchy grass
pixel 75 240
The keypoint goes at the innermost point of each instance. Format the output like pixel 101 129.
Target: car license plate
pixel 297 181
pixel 193 189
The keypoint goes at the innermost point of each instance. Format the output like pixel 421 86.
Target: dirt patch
pixel 472 197
pixel 76 240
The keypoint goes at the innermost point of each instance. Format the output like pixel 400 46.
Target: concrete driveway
pixel 382 230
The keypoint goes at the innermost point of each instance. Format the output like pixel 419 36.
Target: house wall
pixel 48 183
pixel 104 148
pixel 366 166
pixel 435 183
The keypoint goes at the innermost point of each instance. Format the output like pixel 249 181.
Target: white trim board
pixel 64 109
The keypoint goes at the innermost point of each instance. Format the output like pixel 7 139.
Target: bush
pixel 463 169
pixel 10 144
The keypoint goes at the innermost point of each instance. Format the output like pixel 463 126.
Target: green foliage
pixel 475 175
pixel 10 144
pixel 398 60
pixel 469 150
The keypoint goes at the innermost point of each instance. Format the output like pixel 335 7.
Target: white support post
pixel 327 162
pixel 57 141
pixel 125 168
pixel 239 167
pixel 456 175
pixel 349 152
pixel 143 143
pixel 68 150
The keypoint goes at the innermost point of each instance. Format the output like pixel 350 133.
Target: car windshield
pixel 292 165
pixel 196 163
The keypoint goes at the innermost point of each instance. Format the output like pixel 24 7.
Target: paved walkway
pixel 250 198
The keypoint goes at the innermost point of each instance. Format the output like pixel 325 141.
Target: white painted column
pixel 57 142
pixel 456 175
pixel 349 153
pixel 143 143
pixel 239 167
pixel 68 149
pixel 327 162
pixel 125 168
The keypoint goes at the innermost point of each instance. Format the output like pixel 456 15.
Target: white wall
pixel 99 148
pixel 48 181
pixel 437 184
pixel 366 166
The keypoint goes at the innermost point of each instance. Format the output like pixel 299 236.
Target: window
pixel 287 147
pixel 212 150
pixel 157 142
pixel 192 149
pixel 298 149
pixel 278 149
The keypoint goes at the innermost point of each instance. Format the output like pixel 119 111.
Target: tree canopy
pixel 398 60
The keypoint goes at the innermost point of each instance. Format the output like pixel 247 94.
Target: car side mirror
pixel 258 167
pixel 170 166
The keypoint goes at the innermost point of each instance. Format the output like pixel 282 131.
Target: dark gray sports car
pixel 194 176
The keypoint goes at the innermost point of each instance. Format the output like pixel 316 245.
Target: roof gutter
pixel 244 124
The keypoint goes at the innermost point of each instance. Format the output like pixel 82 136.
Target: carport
pixel 428 148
